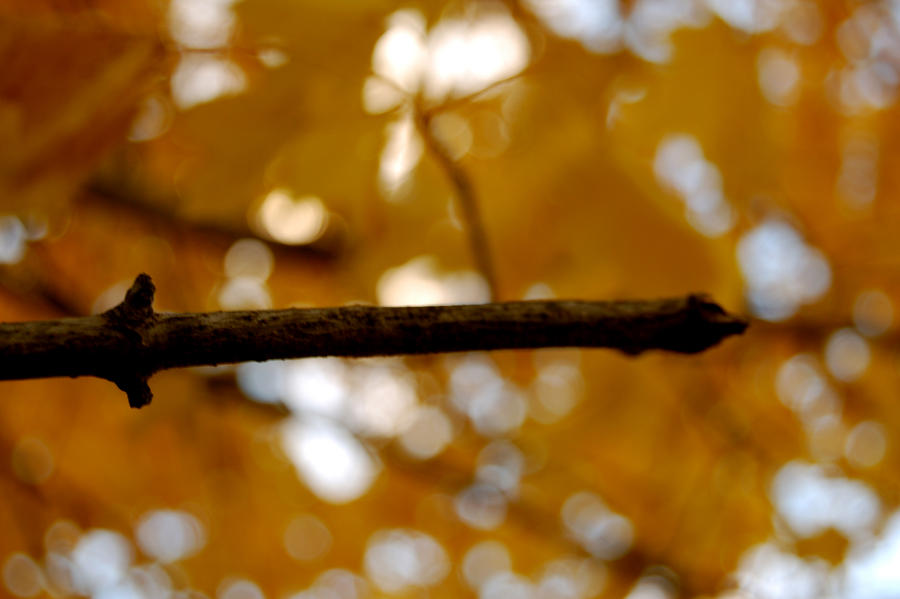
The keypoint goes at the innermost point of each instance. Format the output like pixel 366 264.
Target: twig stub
pixel 137 307
pixel 132 318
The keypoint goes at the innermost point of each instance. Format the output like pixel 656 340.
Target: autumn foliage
pixel 277 153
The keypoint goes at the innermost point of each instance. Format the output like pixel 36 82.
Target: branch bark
pixel 130 342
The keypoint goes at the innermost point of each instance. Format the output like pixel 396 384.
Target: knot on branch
pixel 137 307
pixel 131 317
pixel 135 387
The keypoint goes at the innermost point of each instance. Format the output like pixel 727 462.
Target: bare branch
pixel 127 344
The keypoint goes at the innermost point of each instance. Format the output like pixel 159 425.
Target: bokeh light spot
pixel 857 182
pixel 498 411
pixel 779 75
pixel 100 560
pixel 651 587
pixel 292 220
pixel 797 380
pixel 400 53
pixel 481 506
pixel 62 536
pixel 557 388
pixel 781 271
pixel 306 538
pixel 801 386
pixel 810 502
pixel 484 560
pixel 873 312
pixel 500 463
pixel 331 461
pixel 249 258
pixel 150 581
pixel 273 58
pixel 750 16
pixel 399 559
pixel 239 588
pixel 416 283
pixel 477 390
pixel 603 533
pixel 680 166
pixel 262 381
pixel 866 444
pixel 868 41
pixel 507 585
pixel 400 155
pixel 871 568
pixel 767 571
pixel 201 24
pixel 572 578
pixel 651 23
pixel 61 574
pixel 22 576
pixel 380 96
pixel 154 117
pixel 428 433
pixel 616 111
pixel 803 22
pixel 827 435
pixel 247 264
pixel 597 24
pixel 244 293
pixel 317 386
pixel 454 133
pixel 539 291
pixel 201 78
pixel 13 238
pixel 169 535
pixel 420 283
pixel 846 355
pixel 339 583
pixel 385 398
pixel 467 55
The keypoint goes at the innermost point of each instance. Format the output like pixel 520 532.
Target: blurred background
pixel 276 153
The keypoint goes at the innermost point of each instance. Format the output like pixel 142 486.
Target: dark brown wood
pixel 130 342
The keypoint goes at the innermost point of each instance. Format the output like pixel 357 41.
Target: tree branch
pixel 130 342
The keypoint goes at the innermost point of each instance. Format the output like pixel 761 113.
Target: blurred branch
pixel 106 188
pixel 33 289
pixel 130 342
pixel 465 198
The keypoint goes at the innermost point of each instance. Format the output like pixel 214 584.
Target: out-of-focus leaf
pixel 69 89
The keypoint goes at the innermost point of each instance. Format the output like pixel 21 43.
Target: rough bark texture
pixel 130 342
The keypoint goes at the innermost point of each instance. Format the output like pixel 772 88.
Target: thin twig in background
pixel 116 189
pixel 466 200
pixel 130 342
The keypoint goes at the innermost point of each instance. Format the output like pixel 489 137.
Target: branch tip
pixel 706 324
